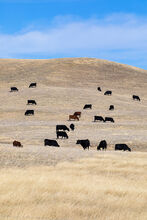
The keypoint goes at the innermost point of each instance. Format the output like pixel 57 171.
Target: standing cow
pixel 49 142
pixel 136 97
pixel 32 85
pixel 61 134
pixel 109 119
pixel 99 89
pixel 108 92
pixel 14 89
pixel 111 107
pixel 31 102
pixel 29 112
pixel 87 106
pixel 123 147
pixel 84 143
pixel 72 127
pixel 98 118
pixel 73 117
pixel 102 145
pixel 62 127
pixel 17 144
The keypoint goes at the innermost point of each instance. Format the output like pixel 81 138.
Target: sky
pixel 104 29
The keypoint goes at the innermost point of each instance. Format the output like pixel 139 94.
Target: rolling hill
pixel 63 87
pixel 40 182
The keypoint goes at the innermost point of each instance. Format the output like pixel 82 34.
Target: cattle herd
pixel 61 129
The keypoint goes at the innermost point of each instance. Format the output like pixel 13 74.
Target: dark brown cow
pixel 73 117
pixel 17 144
pixel 78 114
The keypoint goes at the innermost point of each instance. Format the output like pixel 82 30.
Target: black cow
pixel 31 102
pixel 98 118
pixel 32 85
pixel 99 89
pixel 109 119
pixel 61 134
pixel 108 92
pixel 72 127
pixel 29 112
pixel 62 127
pixel 111 107
pixel 14 89
pixel 123 147
pixel 84 143
pixel 48 142
pixel 102 145
pixel 136 97
pixel 87 106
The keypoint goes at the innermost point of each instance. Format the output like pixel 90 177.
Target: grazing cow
pixel 48 142
pixel 29 112
pixel 102 145
pixel 17 144
pixel 99 89
pixel 123 147
pixel 72 127
pixel 77 114
pixel 32 85
pixel 98 118
pixel 62 127
pixel 84 143
pixel 108 92
pixel 61 134
pixel 136 97
pixel 14 89
pixel 109 119
pixel 87 106
pixel 73 117
pixel 111 107
pixel 31 102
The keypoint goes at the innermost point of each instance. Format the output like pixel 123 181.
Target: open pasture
pixel 64 86
pixel 66 182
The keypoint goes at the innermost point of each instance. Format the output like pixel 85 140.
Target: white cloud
pixel 118 36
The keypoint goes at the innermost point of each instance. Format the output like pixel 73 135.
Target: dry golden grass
pixel 110 186
pixel 39 182
pixel 64 86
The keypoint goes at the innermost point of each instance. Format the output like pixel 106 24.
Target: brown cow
pixel 74 117
pixel 78 114
pixel 17 144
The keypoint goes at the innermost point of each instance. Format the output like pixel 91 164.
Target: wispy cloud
pixel 119 37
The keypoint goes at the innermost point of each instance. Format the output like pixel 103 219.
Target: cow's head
pixel 78 142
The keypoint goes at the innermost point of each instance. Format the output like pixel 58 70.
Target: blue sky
pixel 110 29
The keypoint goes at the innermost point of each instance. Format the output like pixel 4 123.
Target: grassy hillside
pixel 65 183
pixel 64 86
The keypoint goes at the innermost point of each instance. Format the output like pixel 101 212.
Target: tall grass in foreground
pixel 112 186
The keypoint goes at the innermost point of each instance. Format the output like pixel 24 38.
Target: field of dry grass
pixel 65 183
pixel 109 186
pixel 64 86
